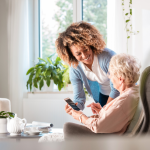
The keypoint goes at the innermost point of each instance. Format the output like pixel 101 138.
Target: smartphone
pixel 72 104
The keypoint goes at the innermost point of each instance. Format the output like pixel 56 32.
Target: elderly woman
pixel 114 117
pixel 83 48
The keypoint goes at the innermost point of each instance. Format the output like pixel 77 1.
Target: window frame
pixel 35 26
pixel 77 16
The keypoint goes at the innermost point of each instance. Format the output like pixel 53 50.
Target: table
pixel 27 136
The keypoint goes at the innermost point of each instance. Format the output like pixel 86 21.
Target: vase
pixel 50 88
pixel 3 125
pixel 69 87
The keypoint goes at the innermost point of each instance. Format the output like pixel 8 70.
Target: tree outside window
pixel 94 12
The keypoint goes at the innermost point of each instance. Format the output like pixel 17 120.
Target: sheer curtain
pixel 139 45
pixel 116 36
pixel 18 50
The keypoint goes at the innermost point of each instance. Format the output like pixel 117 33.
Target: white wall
pixel 3 50
pixel 141 23
pixel 45 107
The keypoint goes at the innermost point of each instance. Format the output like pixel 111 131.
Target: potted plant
pixel 66 79
pixel 46 70
pixel 3 120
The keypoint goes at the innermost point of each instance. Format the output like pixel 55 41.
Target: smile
pixel 87 58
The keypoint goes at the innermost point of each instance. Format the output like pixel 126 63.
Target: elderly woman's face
pixel 115 80
pixel 82 54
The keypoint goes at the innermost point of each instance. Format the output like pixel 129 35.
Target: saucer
pixel 33 132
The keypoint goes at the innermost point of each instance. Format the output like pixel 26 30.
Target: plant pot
pixel 3 125
pixel 50 88
pixel 70 87
pixel 38 90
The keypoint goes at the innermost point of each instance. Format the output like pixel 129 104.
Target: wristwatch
pixel 80 118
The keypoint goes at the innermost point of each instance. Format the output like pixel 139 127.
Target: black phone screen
pixel 72 104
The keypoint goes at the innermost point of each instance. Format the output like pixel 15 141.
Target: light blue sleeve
pixel 114 93
pixel 78 91
pixel 104 60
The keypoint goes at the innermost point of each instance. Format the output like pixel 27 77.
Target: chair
pixel 145 97
pixel 136 122
pixel 141 120
pixel 5 104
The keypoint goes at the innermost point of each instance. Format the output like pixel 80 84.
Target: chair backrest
pixel 145 97
pixel 5 104
pixel 136 121
pixel 141 120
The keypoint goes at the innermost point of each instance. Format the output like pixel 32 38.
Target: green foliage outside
pixel 48 41
pixel 65 14
pixel 94 12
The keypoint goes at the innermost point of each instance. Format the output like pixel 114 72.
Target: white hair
pixel 126 66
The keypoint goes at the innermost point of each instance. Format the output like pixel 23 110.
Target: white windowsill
pixel 50 95
pixel 52 92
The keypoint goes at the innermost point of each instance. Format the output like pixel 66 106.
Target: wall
pixel 50 107
pixel 3 50
pixel 141 23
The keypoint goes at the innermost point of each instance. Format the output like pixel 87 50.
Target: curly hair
pixel 81 34
pixel 126 66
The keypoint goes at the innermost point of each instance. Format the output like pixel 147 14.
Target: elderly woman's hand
pixel 94 116
pixel 95 107
pixel 76 114
pixel 68 109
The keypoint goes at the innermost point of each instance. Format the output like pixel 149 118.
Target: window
pixel 95 12
pixel 57 15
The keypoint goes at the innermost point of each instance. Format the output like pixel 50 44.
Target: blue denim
pixel 103 99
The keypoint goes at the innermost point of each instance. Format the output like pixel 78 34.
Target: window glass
pixel 95 12
pixel 55 17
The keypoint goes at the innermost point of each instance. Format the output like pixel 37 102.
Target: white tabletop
pixel 53 130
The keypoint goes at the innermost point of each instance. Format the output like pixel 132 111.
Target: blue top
pixel 78 78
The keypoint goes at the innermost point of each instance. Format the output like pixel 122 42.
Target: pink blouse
pixel 116 115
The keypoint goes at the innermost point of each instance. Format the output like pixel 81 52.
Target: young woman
pixel 83 48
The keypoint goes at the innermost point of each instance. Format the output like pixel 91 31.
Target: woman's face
pixel 83 54
pixel 115 80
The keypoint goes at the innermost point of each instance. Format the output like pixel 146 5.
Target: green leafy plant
pixel 127 14
pixel 86 92
pixel 46 70
pixel 66 79
pixel 4 114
